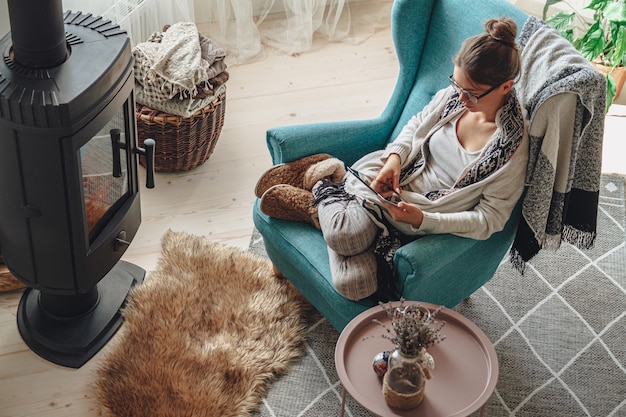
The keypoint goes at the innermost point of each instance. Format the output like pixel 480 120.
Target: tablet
pixel 380 196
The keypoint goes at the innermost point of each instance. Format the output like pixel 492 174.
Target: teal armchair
pixel 441 269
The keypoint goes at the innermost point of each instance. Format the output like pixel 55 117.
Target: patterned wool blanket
pixel 563 178
pixel 175 68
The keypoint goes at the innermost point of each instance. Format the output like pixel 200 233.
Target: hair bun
pixel 503 30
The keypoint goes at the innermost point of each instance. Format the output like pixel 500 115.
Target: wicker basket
pixel 182 143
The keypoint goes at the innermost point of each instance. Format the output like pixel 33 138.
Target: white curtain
pixel 140 18
pixel 243 27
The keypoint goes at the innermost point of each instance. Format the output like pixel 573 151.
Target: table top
pixel 465 374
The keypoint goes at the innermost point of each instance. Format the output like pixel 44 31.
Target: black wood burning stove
pixel 68 176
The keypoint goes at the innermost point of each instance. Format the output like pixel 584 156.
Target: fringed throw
pixel 561 197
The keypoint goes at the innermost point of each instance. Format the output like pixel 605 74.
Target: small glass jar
pixel 404 382
pixel 408 371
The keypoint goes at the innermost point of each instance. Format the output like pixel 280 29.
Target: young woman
pixel 457 167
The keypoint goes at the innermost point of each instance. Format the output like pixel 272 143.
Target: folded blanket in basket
pixel 215 83
pixel 172 64
pixel 184 108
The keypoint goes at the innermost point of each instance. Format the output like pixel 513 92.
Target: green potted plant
pixel 599 35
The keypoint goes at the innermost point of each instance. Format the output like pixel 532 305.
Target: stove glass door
pixel 104 162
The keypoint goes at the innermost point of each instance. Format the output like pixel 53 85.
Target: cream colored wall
pixel 535 7
pixel 532 7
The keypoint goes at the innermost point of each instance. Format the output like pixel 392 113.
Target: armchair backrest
pixel 426 35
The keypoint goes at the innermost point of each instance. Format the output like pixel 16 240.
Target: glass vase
pixel 404 382
pixel 423 360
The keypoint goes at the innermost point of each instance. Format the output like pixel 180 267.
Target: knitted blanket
pixel 563 178
pixel 172 63
pixel 175 68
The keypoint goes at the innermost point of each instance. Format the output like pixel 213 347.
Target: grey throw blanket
pixel 173 66
pixel 563 178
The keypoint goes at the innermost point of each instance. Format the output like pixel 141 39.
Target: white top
pixel 475 210
pixel 447 160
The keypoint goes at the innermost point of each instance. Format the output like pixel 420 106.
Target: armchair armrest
pixel 445 269
pixel 347 140
pixel 425 257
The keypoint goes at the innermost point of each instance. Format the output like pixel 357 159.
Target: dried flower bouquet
pixel 413 327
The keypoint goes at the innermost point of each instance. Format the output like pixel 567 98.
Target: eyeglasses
pixel 471 97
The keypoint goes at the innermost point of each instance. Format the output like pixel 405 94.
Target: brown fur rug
pixel 203 335
pixel 8 282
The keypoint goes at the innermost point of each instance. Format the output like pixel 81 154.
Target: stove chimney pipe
pixel 38 32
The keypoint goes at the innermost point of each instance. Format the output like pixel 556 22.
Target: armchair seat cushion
pixel 441 269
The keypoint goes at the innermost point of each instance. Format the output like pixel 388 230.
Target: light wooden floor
pixel 332 82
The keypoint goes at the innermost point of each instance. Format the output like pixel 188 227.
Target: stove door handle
pixel 148 152
pixel 116 145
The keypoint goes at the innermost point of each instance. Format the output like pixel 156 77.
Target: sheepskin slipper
pixel 286 202
pixel 302 173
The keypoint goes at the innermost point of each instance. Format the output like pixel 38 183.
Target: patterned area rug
pixel 558 331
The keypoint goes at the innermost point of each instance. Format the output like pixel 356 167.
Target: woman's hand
pixel 406 213
pixel 387 182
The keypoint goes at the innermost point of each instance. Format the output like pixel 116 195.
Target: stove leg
pixel 70 329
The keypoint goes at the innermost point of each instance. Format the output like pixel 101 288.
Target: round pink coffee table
pixel 465 374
